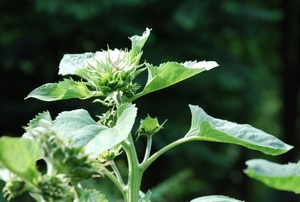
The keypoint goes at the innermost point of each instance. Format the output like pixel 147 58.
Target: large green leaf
pixel 65 89
pixel 207 128
pixel 79 126
pixel 215 198
pixel 16 155
pixel 283 177
pixel 171 73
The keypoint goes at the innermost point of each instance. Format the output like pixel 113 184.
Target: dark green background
pixel 256 44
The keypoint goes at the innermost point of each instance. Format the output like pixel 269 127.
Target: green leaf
pixel 207 128
pixel 71 63
pixel 145 197
pixel 63 90
pixel 171 73
pixel 283 177
pixel 139 41
pixel 16 156
pixel 79 126
pixel 91 195
pixel 215 198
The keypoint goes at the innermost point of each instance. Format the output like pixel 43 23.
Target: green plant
pixel 75 147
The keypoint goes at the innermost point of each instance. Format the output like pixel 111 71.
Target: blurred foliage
pixel 242 36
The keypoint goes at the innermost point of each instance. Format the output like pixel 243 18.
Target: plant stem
pixel 134 172
pixel 117 173
pixel 114 179
pixel 148 149
pixel 150 160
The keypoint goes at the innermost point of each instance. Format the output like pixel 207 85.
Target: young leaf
pixel 139 41
pixel 71 63
pixel 35 122
pixel 171 73
pixel 16 156
pixel 63 90
pixel 283 177
pixel 145 197
pixel 79 126
pixel 215 198
pixel 207 128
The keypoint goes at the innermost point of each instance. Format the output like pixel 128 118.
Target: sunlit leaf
pixel 283 177
pixel 71 63
pixel 207 128
pixel 171 73
pixel 79 126
pixel 16 156
pixel 139 41
pixel 65 89
pixel 215 198
pixel 4 174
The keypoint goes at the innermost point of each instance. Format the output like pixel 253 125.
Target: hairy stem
pixel 148 149
pixel 117 173
pixel 134 172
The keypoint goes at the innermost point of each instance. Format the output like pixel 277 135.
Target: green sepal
pixel 207 128
pixel 149 126
pixel 282 177
pixel 63 90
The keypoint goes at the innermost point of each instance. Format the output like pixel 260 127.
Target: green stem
pixel 150 160
pixel 117 173
pixel 114 179
pixel 148 149
pixel 134 172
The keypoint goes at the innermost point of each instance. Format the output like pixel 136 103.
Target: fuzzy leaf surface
pixel 171 73
pixel 215 198
pixel 71 63
pixel 207 128
pixel 282 177
pixel 79 126
pixel 63 90
pixel 16 156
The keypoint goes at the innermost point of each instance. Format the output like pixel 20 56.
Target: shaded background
pixel 256 44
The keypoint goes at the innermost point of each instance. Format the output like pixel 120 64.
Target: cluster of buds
pixel 55 188
pixel 149 126
pixel 112 73
pixel 14 186
pixel 62 157
pixel 66 164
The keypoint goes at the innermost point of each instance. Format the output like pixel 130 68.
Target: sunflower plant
pixel 77 147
